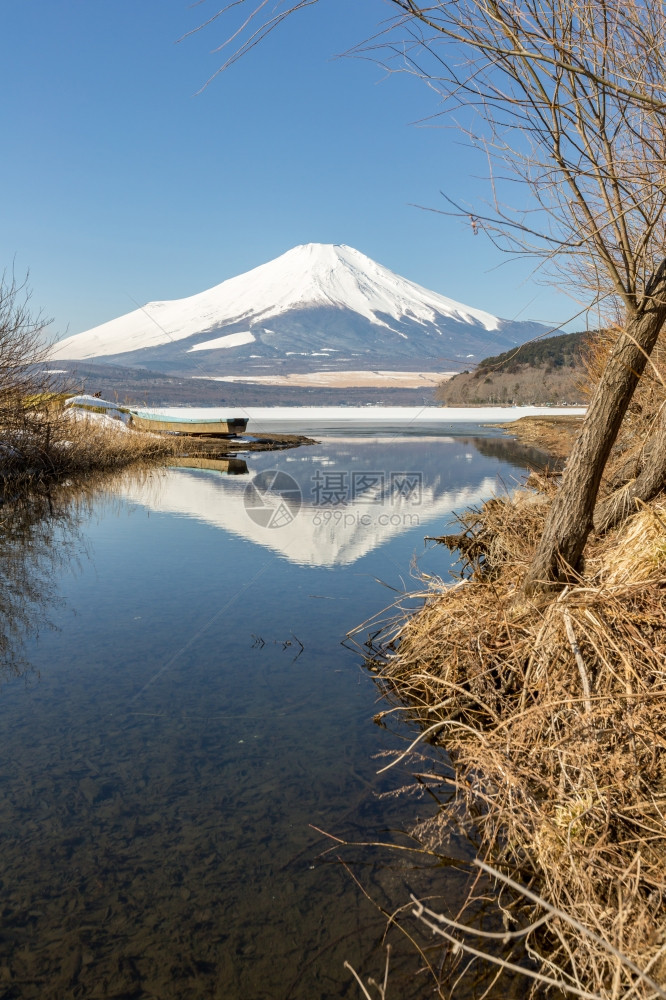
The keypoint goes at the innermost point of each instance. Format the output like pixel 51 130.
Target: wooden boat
pixel 159 424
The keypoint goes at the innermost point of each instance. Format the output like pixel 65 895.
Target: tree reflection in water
pixel 37 535
pixel 40 537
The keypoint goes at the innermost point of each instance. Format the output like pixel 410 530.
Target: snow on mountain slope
pixel 315 298
pixel 227 340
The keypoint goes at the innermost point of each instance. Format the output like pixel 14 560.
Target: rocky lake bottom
pixel 181 718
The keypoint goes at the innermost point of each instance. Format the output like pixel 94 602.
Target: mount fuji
pixel 318 307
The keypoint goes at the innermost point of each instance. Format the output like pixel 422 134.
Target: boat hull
pixel 210 428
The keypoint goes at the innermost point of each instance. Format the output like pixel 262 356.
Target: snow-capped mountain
pixel 317 306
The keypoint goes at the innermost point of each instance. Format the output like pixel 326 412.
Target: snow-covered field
pixel 371 414
pixel 309 419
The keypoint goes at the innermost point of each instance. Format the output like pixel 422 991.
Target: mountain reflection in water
pixel 165 770
pixel 354 495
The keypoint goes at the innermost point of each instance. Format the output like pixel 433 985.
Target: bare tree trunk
pixel 648 483
pixel 571 515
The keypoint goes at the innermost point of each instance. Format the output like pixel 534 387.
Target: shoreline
pixel 550 713
pixel 554 434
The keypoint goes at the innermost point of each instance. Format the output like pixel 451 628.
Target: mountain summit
pixel 318 306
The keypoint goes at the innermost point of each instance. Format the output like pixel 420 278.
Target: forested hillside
pixel 541 372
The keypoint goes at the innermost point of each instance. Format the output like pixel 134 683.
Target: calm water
pixel 178 713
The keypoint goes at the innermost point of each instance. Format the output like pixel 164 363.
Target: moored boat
pixel 161 423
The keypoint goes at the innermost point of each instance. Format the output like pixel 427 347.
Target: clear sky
pixel 122 185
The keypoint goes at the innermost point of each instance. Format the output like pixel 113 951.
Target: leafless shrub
pixel 23 348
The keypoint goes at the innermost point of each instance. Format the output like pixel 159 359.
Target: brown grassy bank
pixel 553 435
pixel 53 442
pixel 554 715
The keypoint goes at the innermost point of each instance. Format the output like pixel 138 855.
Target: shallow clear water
pixel 186 715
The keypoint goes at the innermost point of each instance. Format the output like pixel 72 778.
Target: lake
pixel 180 721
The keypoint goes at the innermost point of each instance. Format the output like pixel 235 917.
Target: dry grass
pixel 52 442
pixel 554 715
pixel 553 435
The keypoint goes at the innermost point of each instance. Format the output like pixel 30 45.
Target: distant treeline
pixel 563 351
pixel 548 372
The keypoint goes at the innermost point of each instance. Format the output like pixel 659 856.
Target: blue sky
pixel 122 185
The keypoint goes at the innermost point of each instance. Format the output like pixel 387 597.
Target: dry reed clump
pixel 96 441
pixel 54 442
pixel 554 716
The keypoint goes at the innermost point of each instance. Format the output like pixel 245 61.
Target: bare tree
pixel 568 98
pixel 571 97
pixel 23 350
